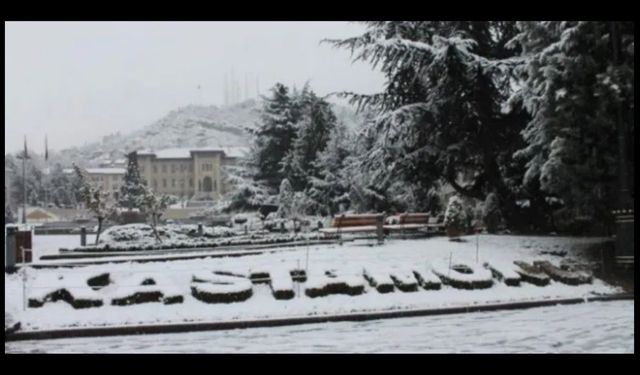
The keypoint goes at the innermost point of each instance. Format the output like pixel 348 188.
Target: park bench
pixel 418 221
pixel 363 223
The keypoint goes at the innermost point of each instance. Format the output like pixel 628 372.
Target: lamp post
pixel 624 249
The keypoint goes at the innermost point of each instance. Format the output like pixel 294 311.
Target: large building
pixel 188 173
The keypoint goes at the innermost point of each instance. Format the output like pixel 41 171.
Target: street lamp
pixel 624 249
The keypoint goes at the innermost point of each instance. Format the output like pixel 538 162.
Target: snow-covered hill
pixel 190 126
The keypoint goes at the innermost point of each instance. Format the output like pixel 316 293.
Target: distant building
pixel 189 172
pixel 108 179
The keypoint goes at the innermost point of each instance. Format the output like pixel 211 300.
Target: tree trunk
pixel 155 230
pixel 99 229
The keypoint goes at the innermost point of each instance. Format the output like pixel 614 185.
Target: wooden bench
pixel 363 223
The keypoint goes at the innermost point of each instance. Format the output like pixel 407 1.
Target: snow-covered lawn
pixel 347 263
pixel 594 327
pixel 50 243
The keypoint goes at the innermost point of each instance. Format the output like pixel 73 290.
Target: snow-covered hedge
pixel 405 281
pixel 139 237
pixel 504 272
pixel 281 284
pixel 463 275
pixel 379 280
pixel 427 279
pixel 564 276
pixel 143 288
pixel 320 285
pixel 215 288
pixel 531 274
pixel 72 288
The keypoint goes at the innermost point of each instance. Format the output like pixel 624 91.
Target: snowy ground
pixel 348 260
pixel 595 327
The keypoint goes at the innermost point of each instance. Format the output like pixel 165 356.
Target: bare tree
pixel 95 200
pixel 154 206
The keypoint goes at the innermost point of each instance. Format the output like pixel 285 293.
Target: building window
pixel 173 182
pixel 182 183
pixel 173 168
pixel 155 184
pixel 215 186
pixel 164 182
pixel 155 169
pixel 141 169
pixel 164 168
pixel 191 182
pixel 183 167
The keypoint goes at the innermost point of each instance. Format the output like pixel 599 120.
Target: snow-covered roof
pixel 106 170
pixel 185 153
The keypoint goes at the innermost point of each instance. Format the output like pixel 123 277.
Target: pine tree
pixel 312 133
pixel 440 114
pixel 572 87
pixel 285 199
pixel 329 189
pixel 132 189
pixel 274 136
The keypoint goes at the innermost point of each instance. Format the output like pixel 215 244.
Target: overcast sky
pixel 79 81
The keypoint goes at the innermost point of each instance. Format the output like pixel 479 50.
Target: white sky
pixel 79 81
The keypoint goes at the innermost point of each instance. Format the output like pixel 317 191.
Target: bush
pixel 454 217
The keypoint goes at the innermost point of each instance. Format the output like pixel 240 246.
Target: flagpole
pixel 24 158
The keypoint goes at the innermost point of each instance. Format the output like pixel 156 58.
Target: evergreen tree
pixel 441 117
pixel 329 189
pixel 573 89
pixel 312 133
pixel 132 189
pixel 274 136
pixel 285 199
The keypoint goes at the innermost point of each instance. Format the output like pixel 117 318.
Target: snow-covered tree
pixel 440 113
pixel 274 136
pixel 132 189
pixel 95 200
pixel 455 217
pixel 329 188
pixel 312 133
pixel 491 215
pixel 285 199
pixel 8 213
pixel 576 93
pixel 154 206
